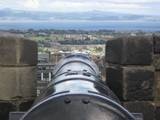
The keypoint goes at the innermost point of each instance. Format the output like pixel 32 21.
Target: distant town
pixel 66 40
pixel 55 44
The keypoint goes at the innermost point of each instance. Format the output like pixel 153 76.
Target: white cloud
pixel 126 6
pixel 31 4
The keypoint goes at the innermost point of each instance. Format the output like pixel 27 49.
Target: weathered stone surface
pixel 17 51
pixel 156 62
pixel 147 108
pixel 5 108
pixel 156 41
pixel 26 105
pixel 131 83
pixel 130 50
pixel 157 80
pixel 157 112
pixel 114 79
pixel 17 83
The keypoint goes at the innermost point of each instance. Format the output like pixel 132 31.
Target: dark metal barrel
pixel 77 93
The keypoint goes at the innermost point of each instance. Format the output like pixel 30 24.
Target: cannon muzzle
pixel 77 93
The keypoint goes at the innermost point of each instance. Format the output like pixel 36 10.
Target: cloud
pixel 33 4
pixel 125 6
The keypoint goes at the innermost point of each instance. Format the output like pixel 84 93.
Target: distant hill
pixel 10 14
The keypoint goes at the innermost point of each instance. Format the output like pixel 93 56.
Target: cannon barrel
pixel 77 93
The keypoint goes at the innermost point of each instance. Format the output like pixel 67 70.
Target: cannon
pixel 77 92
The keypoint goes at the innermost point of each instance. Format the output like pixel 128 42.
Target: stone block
pixel 156 62
pixel 132 82
pixel 147 108
pixel 114 79
pixel 130 50
pixel 17 51
pixel 157 81
pixel 25 105
pixel 17 83
pixel 5 108
pixel 156 43
pixel 157 112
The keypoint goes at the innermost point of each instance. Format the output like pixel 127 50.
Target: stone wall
pixel 18 60
pixel 131 74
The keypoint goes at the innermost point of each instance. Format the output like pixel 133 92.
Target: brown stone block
pixel 130 50
pixel 157 112
pixel 17 83
pixel 25 105
pixel 156 41
pixel 132 82
pixel 17 51
pixel 147 108
pixel 5 108
pixel 157 80
pixel 156 62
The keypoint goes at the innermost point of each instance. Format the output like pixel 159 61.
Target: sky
pixel 147 7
